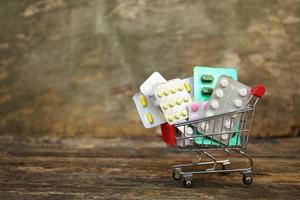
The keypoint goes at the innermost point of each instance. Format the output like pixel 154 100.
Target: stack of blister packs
pixel 211 91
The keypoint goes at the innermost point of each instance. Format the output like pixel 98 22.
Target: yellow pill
pixel 180 88
pixel 177 115
pixel 166 92
pixel 159 94
pixel 173 90
pixel 184 113
pixel 185 98
pixel 170 118
pixel 143 100
pixel 149 118
pixel 171 103
pixel 178 101
pixel 187 87
pixel 165 106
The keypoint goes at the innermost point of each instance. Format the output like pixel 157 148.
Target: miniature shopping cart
pixel 179 136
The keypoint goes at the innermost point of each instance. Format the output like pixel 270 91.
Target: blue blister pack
pixel 205 80
pixel 150 114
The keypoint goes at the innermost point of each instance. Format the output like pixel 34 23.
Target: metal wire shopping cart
pixel 178 137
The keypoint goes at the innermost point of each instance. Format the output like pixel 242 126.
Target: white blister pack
pixel 150 114
pixel 173 99
pixel 147 88
pixel 229 95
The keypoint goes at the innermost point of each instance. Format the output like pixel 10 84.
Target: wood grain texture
pixel 71 67
pixel 137 168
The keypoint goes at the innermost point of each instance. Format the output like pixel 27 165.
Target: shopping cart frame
pixel 173 139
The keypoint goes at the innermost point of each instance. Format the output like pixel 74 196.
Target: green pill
pixel 207 78
pixel 207 91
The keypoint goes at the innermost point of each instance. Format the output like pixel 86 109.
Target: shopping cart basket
pixel 177 137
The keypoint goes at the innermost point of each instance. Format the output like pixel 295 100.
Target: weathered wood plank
pixel 137 168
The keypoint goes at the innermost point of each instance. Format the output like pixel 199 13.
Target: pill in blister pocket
pixel 194 107
pixel 184 113
pixel 149 118
pixel 180 87
pixel 187 87
pixel 243 92
pixel 224 136
pixel 170 118
pixel 214 104
pixel 207 91
pixel 177 115
pixel 166 92
pixel 207 78
pixel 143 100
pixel 178 101
pixel 209 113
pixel 238 103
pixel 224 82
pixel 173 90
pixel 219 93
pixel 228 124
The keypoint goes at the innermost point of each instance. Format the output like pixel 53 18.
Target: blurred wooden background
pixel 70 67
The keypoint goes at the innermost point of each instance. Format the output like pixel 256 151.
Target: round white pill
pixel 204 126
pixel 224 136
pixel 243 92
pixel 214 104
pixel 224 82
pixel 234 116
pixel 189 131
pixel 228 124
pixel 219 93
pixel 209 113
pixel 238 103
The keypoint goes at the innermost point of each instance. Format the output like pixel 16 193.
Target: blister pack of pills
pixel 229 95
pixel 205 80
pixel 150 114
pixel 173 99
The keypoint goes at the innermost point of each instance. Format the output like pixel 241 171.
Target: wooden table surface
pixel 137 168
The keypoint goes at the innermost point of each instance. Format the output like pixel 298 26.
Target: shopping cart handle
pixel 258 90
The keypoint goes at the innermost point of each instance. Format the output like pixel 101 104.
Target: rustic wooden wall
pixel 71 67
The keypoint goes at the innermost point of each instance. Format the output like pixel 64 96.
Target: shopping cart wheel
pixel 187 183
pixel 247 179
pixel 176 176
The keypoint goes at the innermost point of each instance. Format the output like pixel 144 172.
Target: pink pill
pixel 194 107
pixel 194 117
pixel 204 105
